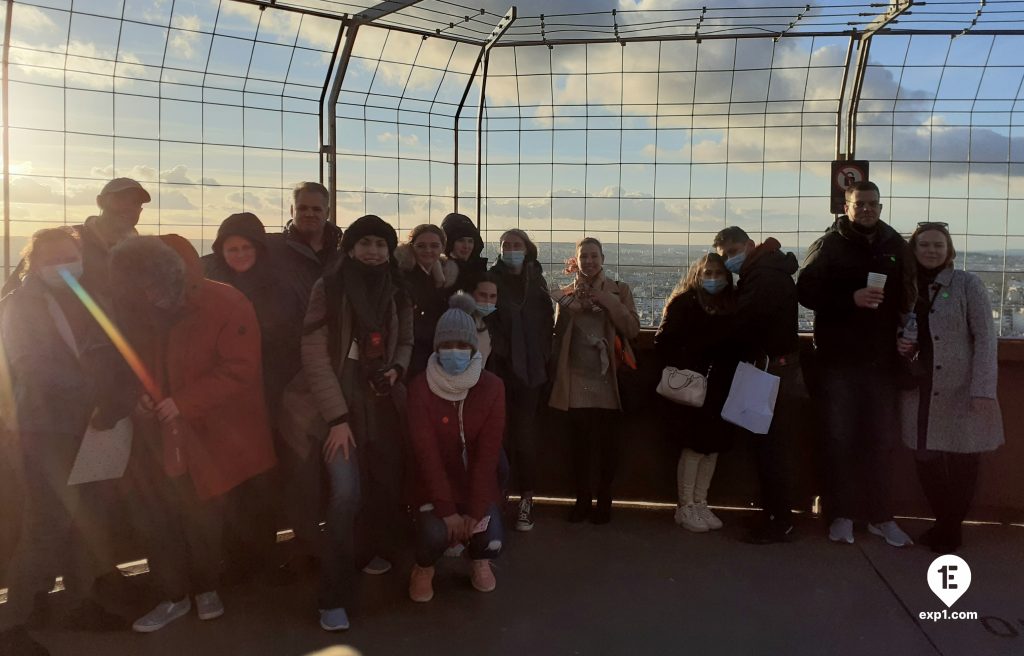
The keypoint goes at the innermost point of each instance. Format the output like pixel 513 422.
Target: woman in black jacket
pixel 695 334
pixel 463 245
pixel 240 259
pixel 521 330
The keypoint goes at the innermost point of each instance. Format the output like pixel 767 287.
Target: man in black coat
pixel 309 247
pixel 855 327
pixel 766 318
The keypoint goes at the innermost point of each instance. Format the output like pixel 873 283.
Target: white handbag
pixel 683 386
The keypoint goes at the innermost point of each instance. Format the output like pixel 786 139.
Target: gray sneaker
pixel 841 530
pixel 209 605
pixel 524 517
pixel 891 532
pixel 164 613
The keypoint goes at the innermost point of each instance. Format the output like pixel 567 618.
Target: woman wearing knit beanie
pixel 456 424
pixel 356 347
pixel 596 318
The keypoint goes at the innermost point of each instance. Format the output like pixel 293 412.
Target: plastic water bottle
pixel 910 329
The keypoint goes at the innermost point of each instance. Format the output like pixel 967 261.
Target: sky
pixel 212 104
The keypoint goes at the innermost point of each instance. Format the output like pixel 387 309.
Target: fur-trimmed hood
pixel 445 275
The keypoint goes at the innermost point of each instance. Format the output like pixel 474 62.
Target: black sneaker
pixel 524 517
pixel 91 616
pixel 770 533
pixel 602 512
pixel 17 642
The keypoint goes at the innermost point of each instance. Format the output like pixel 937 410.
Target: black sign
pixel 846 172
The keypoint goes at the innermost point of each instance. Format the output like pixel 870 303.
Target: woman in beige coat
pixel 595 319
pixel 950 414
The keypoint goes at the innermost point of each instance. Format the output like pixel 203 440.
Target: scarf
pixel 369 290
pixel 449 387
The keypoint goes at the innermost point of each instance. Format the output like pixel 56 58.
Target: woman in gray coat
pixel 950 415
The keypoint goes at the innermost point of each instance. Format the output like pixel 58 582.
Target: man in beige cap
pixel 120 202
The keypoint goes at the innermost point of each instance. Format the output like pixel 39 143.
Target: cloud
pixel 247 200
pixel 410 140
pixel 175 199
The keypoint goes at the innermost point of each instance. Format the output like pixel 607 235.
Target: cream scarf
pixel 449 387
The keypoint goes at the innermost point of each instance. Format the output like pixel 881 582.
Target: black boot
pixel 603 511
pixel 580 510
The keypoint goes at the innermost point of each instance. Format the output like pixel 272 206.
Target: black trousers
pixel 949 481
pixel 594 430
pixel 772 451
pixel 521 407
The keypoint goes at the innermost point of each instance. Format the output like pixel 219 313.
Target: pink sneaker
pixel 421 584
pixel 483 576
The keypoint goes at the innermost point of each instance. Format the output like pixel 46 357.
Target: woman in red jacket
pixel 209 433
pixel 456 423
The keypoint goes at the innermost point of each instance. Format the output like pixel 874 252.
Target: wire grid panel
pixel 211 104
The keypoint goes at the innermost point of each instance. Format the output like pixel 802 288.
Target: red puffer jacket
pixel 440 476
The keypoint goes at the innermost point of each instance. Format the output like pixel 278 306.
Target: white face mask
pixel 51 274
pixel 513 258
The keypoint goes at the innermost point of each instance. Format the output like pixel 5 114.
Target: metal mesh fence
pixel 650 130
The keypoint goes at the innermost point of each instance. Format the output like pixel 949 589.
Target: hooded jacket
pixel 429 294
pixel 522 328
pixel 208 361
pixel 277 306
pixel 766 308
pixel 456 226
pixel 836 266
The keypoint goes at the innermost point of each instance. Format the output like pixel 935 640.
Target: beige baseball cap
pixel 119 185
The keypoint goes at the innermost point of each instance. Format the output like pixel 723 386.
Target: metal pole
pixel 842 95
pixel 480 140
pixel 323 95
pixel 458 115
pixel 332 118
pixel 7 139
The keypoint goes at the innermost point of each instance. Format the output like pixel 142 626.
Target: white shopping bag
pixel 751 402
pixel 103 454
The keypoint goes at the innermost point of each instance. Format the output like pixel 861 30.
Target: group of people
pixel 406 380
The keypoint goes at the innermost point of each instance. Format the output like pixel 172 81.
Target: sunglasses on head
pixel 932 224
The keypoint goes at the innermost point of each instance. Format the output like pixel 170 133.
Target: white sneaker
pixel 841 530
pixel 709 517
pixel 377 566
pixel 891 532
pixel 164 613
pixel 688 517
pixel 209 605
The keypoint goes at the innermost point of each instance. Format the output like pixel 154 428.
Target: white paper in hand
pixel 103 455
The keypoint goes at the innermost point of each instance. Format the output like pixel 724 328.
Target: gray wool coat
pixel 965 366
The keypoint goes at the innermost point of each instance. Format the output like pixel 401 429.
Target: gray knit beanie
pixel 457 323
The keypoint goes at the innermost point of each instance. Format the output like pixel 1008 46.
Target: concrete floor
pixel 640 585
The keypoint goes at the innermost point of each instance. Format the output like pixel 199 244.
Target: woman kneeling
pixel 456 424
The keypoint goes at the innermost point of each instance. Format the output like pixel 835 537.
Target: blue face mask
pixel 735 263
pixel 714 286
pixel 454 361
pixel 513 258
pixel 485 308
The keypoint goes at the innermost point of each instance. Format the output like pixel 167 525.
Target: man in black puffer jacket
pixel 855 330
pixel 767 329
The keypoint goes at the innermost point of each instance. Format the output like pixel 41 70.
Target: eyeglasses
pixel 932 224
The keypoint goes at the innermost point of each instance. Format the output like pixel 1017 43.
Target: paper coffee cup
pixel 876 280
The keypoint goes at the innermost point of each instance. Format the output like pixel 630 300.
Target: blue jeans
pixel 432 538
pixel 858 405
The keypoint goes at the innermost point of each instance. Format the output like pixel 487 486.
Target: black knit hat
pixel 369 226
pixel 456 226
pixel 244 224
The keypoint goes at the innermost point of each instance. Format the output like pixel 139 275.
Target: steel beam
pixel 896 8
pixel 7 139
pixel 482 57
